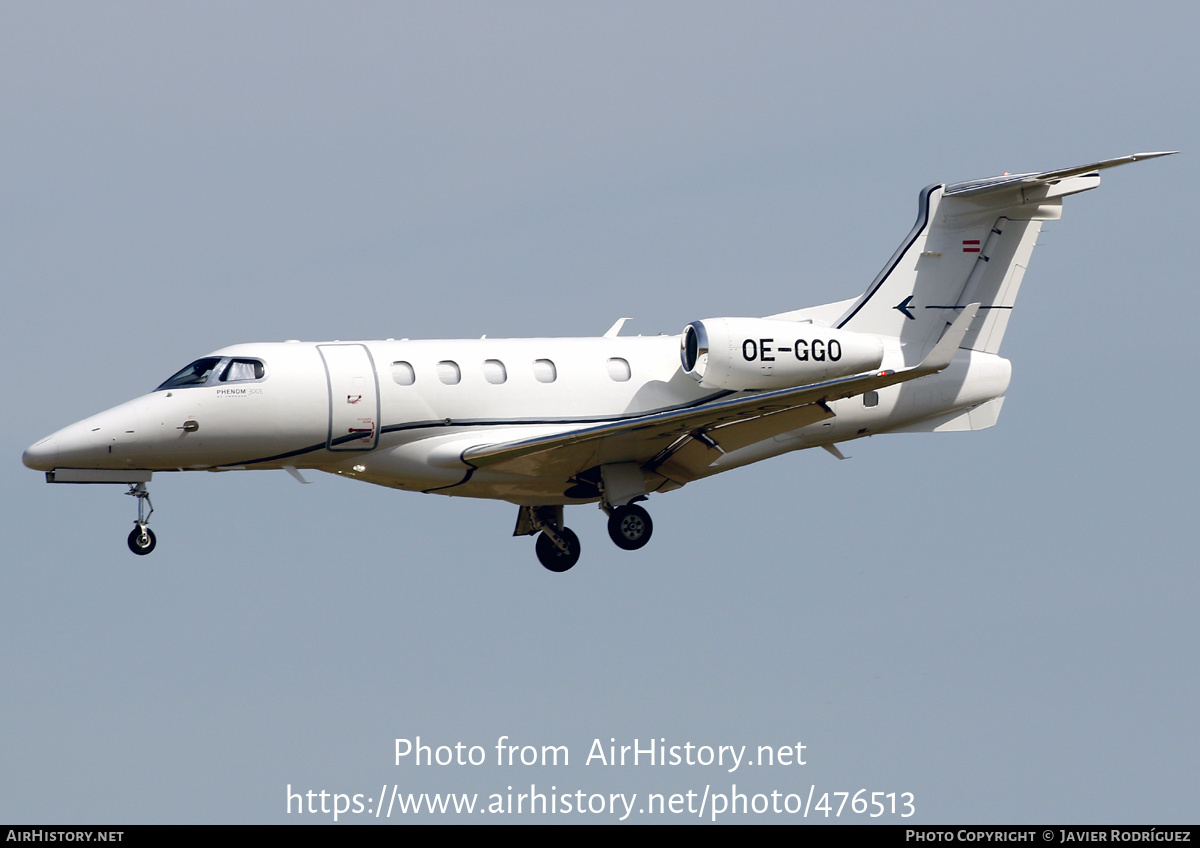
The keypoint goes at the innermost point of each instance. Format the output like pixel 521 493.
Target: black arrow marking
pixel 959 307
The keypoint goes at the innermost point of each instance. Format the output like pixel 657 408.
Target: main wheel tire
pixel 552 556
pixel 142 541
pixel 630 527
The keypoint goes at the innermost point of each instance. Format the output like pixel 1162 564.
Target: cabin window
pixel 448 372
pixel 196 374
pixel 403 373
pixel 870 398
pixel 241 370
pixel 544 371
pixel 493 371
pixel 618 369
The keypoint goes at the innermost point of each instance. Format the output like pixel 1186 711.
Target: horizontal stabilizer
pixel 974 188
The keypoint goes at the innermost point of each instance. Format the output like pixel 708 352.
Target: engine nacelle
pixel 762 353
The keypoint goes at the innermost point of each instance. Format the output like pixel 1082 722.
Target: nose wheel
pixel 141 538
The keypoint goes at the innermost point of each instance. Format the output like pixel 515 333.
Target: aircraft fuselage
pixel 394 413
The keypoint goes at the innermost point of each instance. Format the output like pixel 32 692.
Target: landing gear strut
pixel 141 538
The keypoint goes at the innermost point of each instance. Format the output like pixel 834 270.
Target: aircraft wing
pixel 726 424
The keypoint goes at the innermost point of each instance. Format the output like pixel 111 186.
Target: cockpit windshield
pixel 239 370
pixel 201 372
pixel 196 374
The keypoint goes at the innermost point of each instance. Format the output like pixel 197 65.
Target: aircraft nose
pixel 41 456
pixel 105 440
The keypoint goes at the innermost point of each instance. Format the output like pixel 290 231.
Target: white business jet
pixel 544 423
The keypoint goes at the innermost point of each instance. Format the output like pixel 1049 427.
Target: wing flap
pixel 694 456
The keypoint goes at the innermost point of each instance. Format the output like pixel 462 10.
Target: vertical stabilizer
pixel 971 244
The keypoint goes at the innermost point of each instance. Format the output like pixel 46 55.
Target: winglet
pixel 943 351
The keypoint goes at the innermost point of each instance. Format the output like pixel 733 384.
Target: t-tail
pixel 971 244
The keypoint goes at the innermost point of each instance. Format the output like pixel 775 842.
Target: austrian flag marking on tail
pixel 970 245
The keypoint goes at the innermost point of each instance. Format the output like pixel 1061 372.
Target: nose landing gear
pixel 141 538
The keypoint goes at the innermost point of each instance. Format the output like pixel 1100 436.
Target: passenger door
pixel 353 397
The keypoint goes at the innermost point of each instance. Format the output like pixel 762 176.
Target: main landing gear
pixel 558 549
pixel 629 526
pixel 141 538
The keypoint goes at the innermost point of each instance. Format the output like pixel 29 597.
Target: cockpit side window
pixel 240 370
pixel 196 374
